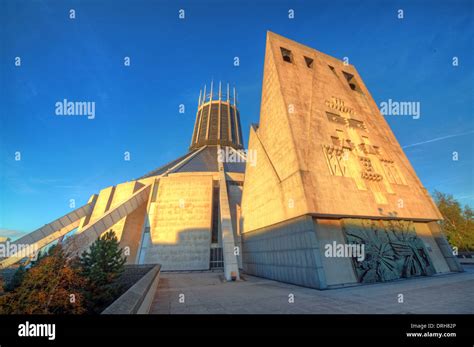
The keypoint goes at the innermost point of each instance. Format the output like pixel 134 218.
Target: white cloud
pixel 437 139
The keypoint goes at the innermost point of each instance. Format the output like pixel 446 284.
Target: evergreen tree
pixel 101 265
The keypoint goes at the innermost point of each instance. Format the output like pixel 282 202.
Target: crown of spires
pixel 224 95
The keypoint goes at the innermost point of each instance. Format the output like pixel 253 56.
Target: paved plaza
pixel 207 292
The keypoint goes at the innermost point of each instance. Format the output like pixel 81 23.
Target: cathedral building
pixel 327 177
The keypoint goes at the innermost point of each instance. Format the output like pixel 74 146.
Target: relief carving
pixel 392 250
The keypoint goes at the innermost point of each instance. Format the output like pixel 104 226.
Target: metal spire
pixel 212 85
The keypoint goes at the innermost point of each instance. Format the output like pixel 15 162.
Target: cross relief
pixel 350 152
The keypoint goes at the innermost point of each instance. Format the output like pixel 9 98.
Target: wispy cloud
pixel 437 139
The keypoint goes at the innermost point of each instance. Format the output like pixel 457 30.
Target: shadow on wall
pixel 187 249
pixel 286 252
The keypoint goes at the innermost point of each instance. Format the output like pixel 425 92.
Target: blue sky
pixel 67 158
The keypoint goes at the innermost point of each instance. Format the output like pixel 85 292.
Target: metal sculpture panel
pixel 392 250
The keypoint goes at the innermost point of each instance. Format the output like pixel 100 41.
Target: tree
pixel 101 265
pixel 458 223
pixel 51 286
pixel 16 280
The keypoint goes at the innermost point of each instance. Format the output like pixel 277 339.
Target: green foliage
pixel 16 280
pixel 101 265
pixel 458 223
pixel 55 285
pixel 51 286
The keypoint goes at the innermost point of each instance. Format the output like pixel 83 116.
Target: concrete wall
pixel 122 191
pixel 235 196
pixel 266 198
pixel 132 232
pixel 323 150
pixel 81 241
pixel 445 247
pixel 138 298
pixel 424 233
pixel 178 230
pixel 286 252
pixel 299 145
pixel 102 205
pixel 294 252
pixel 338 271
pixel 231 266
pixel 107 200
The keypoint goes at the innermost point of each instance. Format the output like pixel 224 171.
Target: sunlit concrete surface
pixel 206 292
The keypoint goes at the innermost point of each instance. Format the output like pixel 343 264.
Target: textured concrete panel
pixel 180 224
pixel 266 199
pixel 392 250
pixel 231 267
pixel 86 216
pixel 235 196
pixel 102 204
pixel 286 252
pixel 445 247
pixel 337 270
pixel 132 233
pixel 424 233
pixel 138 298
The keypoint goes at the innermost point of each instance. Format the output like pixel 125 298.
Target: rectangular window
pixel 215 215
pixel 286 55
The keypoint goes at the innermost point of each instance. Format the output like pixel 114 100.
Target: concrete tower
pixel 331 172
pixel 217 119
